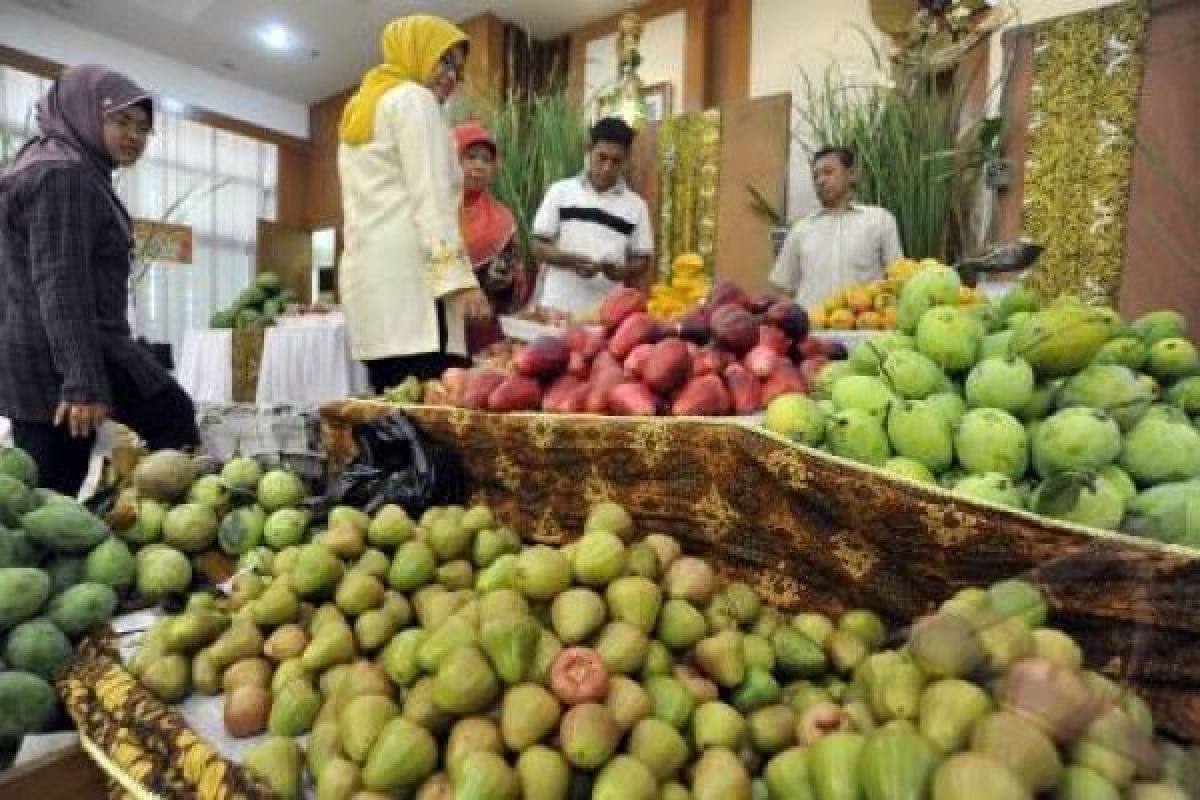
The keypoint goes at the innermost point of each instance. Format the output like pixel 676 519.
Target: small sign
pixel 162 242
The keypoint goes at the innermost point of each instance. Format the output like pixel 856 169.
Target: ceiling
pixel 337 39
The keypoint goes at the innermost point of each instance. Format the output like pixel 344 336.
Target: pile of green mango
pixel 1065 410
pixel 62 573
pixel 443 657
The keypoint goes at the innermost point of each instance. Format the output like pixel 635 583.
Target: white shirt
pixel 830 249
pixel 610 226
pixel 403 249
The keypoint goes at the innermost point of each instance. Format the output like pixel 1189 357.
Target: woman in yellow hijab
pixel 406 284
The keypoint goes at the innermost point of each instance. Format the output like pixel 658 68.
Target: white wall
pixel 792 37
pixel 53 39
pixel 662 57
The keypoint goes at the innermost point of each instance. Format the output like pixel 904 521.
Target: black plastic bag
pixel 396 464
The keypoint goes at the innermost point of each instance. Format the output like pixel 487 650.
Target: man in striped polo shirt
pixel 592 232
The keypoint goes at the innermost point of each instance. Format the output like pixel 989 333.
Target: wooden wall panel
pixel 728 67
pixel 485 67
pixel 286 250
pixel 1162 253
pixel 323 194
pixel 755 146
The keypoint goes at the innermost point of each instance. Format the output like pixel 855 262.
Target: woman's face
pixel 449 73
pixel 479 165
pixel 126 132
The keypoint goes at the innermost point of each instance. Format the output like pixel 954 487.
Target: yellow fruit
pixel 841 320
pixel 835 301
pixel 689 261
pixel 902 269
pixel 858 300
pixel 889 318
pixel 869 321
pixel 817 318
pixel 884 300
pixel 967 296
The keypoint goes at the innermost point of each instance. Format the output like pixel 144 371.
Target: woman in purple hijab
pixel 68 360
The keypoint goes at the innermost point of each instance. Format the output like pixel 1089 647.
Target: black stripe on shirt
pixel 598 216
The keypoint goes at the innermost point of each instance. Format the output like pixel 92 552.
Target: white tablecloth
pixel 306 362
pixel 205 368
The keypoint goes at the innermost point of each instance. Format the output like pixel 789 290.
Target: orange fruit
pixel 967 296
pixel 835 300
pixel 818 318
pixel 869 321
pixel 888 317
pixel 858 301
pixel 841 320
pixel 884 300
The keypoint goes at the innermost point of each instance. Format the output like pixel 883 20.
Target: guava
pixel 865 393
pixel 991 440
pixel 1158 325
pixel 1061 340
pixel 162 570
pixel 286 527
pixel 191 527
pixel 1041 402
pixel 951 337
pixel 1173 359
pixel 1185 395
pixel 280 489
pixel 1162 448
pixel 912 375
pixel 828 376
pixel 1126 351
pixel 859 436
pixel 950 405
pixel 210 490
pixel 1169 513
pixel 919 431
pixel 242 473
pixel 988 315
pixel 909 468
pixel 1092 501
pixel 995 345
pixel 1112 388
pixel 867 357
pixel 1120 480
pixel 1019 299
pixel 1075 439
pixel 991 487
pixel 937 286
pixel 796 417
pixel 1006 383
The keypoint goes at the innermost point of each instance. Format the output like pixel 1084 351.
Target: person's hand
pixel 83 420
pixel 475 305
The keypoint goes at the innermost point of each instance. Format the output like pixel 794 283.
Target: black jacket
pixel 64 273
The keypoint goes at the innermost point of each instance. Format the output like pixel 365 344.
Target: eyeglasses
pixel 128 123
pixel 451 65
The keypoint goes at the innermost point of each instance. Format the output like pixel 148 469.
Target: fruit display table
pixel 810 529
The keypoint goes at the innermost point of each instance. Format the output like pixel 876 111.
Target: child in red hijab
pixel 489 232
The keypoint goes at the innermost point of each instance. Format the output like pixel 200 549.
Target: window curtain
pixel 216 182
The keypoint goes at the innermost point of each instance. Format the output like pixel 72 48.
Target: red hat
pixel 469 134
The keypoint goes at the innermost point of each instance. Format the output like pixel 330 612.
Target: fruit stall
pixel 952 560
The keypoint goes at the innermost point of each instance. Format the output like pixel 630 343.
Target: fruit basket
pixel 808 529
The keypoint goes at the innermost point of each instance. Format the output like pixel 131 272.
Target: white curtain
pixel 216 182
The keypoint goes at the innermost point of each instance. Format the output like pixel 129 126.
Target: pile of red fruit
pixel 731 356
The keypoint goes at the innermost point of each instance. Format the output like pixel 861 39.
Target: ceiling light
pixel 276 37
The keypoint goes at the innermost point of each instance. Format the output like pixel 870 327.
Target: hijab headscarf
pixel 70 118
pixel 412 47
pixel 487 224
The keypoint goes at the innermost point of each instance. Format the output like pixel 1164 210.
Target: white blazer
pixel 401 194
